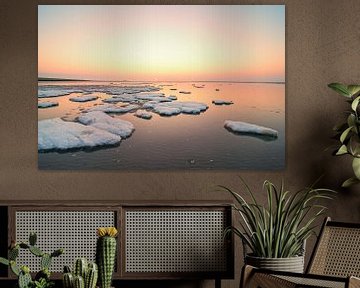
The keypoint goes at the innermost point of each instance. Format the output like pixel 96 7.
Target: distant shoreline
pixel 166 81
pixel 60 79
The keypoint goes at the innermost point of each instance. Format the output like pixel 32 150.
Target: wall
pixel 323 46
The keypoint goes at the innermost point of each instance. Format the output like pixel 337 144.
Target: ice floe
pixel 102 121
pixel 172 97
pixel 159 97
pixel 248 128
pixel 47 92
pixel 57 134
pixel 83 98
pixel 127 98
pixel 143 114
pixel 175 108
pixel 150 104
pixel 47 104
pixel 222 102
pixel 113 108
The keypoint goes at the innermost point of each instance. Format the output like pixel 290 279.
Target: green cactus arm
pixel 57 252
pixel 79 282
pixel 81 266
pixel 45 261
pixel 36 251
pixel 67 269
pixel 68 280
pixel 24 280
pixel 14 268
pixel 13 253
pixel 24 245
pixel 4 261
pixel 32 238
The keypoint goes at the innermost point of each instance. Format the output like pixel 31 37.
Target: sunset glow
pixel 162 43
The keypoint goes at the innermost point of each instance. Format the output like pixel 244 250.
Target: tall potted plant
pixel 349 131
pixel 276 233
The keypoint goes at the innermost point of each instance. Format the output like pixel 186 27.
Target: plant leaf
pixel 345 134
pixel 353 89
pixel 342 150
pixel 340 88
pixel 349 182
pixel 356 167
pixel 355 103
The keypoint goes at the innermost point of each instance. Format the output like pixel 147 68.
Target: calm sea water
pixel 184 141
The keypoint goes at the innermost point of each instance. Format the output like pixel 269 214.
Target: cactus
pixel 90 272
pixel 13 253
pixel 24 280
pixel 36 251
pixel 80 267
pixel 42 278
pixel 91 276
pixel 45 261
pixel 106 254
pixel 79 282
pixel 68 280
pixel 32 238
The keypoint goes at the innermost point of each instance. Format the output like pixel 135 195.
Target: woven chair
pixel 335 262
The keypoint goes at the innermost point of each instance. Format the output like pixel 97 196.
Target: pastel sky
pixel 162 42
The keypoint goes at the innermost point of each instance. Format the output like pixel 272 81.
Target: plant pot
pixel 291 264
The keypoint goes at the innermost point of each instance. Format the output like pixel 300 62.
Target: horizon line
pixel 184 81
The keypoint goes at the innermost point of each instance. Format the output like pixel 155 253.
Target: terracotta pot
pixel 291 264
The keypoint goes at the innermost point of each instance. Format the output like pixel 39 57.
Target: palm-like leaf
pixel 280 228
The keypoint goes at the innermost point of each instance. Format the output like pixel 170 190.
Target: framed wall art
pixel 161 87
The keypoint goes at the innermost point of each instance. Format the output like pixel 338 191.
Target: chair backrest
pixel 337 251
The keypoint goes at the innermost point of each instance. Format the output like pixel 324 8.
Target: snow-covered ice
pixel 83 98
pixel 248 128
pixel 47 104
pixel 129 98
pixel 113 108
pixel 222 102
pixel 57 134
pixel 143 114
pixel 102 121
pixel 150 104
pixel 47 92
pixel 175 108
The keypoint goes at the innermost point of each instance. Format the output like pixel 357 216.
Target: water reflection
pixel 183 141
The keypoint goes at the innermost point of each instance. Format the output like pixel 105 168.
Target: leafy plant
pixel 279 229
pixel 42 278
pixel 348 132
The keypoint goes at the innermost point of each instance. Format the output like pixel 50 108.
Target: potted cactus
pixel 84 275
pixel 42 278
pixel 106 254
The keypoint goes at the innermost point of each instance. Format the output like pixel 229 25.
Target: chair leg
pixel 246 273
pixel 217 283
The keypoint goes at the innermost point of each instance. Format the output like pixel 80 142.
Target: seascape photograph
pixel 161 87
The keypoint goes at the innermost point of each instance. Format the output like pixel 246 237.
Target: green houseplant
pixel 349 131
pixel 275 233
pixel 42 278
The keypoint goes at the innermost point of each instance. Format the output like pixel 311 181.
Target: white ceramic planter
pixel 291 264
